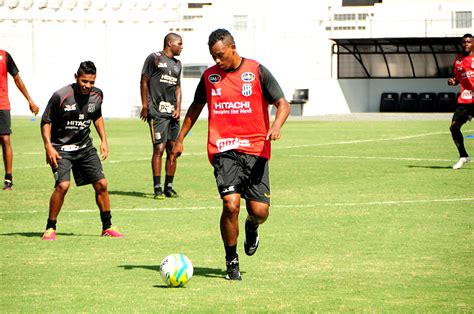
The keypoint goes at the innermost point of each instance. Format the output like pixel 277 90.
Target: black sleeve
pixel 11 66
pixel 98 112
pixel 271 89
pixel 200 94
pixel 50 110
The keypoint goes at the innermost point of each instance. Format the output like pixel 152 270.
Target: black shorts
pixel 163 129
pixel 85 165
pixel 463 113
pixel 5 122
pixel 242 174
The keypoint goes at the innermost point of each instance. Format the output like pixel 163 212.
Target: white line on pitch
pixel 372 157
pixel 155 209
pixel 367 140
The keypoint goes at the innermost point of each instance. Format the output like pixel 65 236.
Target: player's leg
pixel 62 177
pixel 171 135
pixel 56 202
pixel 159 146
pixel 88 170
pixel 156 161
pixel 7 150
pixel 103 202
pixel 227 172
pixel 170 171
pixel 460 117
pixel 7 161
pixel 257 214
pixel 229 226
pixel 256 191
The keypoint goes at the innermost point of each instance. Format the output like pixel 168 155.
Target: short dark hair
pixel 467 35
pixel 170 36
pixel 220 34
pixel 86 67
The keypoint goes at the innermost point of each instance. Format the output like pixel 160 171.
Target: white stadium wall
pixel 48 40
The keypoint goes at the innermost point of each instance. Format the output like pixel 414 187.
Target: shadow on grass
pixel 33 234
pixel 431 167
pixel 131 193
pixel 198 271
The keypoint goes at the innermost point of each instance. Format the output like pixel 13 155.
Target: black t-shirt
pixel 165 75
pixel 70 114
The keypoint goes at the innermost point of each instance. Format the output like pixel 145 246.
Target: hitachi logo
pixel 232 105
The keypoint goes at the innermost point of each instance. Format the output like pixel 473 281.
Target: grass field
pixel 366 216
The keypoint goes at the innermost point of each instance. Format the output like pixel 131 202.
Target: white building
pixel 49 38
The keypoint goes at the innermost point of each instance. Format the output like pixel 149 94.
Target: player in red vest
pixel 464 76
pixel 7 65
pixel 238 92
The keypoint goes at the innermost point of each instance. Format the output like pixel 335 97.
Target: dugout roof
pixel 396 57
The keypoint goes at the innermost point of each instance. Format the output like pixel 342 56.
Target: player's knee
pixel 231 206
pixel 62 187
pixel 101 186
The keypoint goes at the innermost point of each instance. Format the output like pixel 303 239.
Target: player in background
pixel 65 128
pixel 464 76
pixel 160 90
pixel 7 65
pixel 237 91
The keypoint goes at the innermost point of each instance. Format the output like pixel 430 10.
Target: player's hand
pixel 104 151
pixel 176 151
pixel 52 157
pixel 273 134
pixel 452 81
pixel 176 114
pixel 34 108
pixel 144 113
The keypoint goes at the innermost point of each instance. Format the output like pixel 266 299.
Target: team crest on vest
pixel 246 90
pixel 91 107
pixel 248 77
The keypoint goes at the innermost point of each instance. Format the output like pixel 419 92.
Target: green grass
pixel 366 216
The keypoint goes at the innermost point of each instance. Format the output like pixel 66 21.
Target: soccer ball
pixel 176 270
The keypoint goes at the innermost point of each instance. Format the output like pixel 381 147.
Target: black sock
pixel 156 182
pixel 106 218
pixel 51 224
pixel 169 182
pixel 9 177
pixel 230 252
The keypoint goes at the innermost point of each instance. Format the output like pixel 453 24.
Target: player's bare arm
pixel 283 110
pixel 191 116
pixel 104 147
pixel 52 155
pixel 144 96
pixel 21 86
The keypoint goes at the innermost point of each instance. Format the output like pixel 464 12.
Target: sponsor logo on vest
pixel 466 94
pixel 70 107
pixel 78 125
pixel 225 144
pixel 248 77
pixel 247 90
pixel 216 92
pixel 214 78
pixel 162 65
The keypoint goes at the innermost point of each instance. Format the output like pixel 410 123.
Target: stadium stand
pixel 408 102
pixel 427 102
pixel 446 102
pixel 389 102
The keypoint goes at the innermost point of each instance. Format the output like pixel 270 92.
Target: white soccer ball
pixel 176 270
